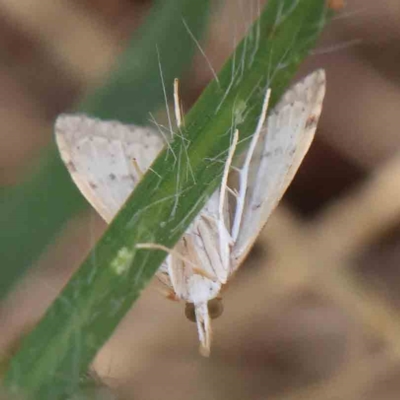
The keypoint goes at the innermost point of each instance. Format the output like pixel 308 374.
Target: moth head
pixel 215 309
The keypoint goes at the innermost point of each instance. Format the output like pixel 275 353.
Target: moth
pixel 107 159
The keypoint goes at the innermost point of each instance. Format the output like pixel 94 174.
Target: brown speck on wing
pixel 71 166
pixel 311 122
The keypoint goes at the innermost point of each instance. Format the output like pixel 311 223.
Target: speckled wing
pixel 284 141
pixel 99 156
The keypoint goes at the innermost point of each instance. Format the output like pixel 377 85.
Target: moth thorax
pixel 215 309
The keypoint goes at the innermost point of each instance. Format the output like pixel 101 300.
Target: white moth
pixel 105 160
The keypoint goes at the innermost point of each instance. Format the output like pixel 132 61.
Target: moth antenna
pixel 203 327
pixel 243 174
pixel 177 103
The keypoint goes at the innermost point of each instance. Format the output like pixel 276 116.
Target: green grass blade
pixel 83 317
pixel 31 214
pixel 137 83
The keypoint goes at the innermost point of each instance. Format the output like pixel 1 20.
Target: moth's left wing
pixel 284 141
pixel 104 158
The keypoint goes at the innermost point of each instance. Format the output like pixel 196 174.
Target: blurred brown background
pixel 313 312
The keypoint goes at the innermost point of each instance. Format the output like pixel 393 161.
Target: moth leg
pixel 177 104
pixel 138 170
pixel 244 171
pixel 191 251
pixel 225 239
pixel 224 232
pixel 172 252
pixel 175 271
pixel 166 288
pixel 168 293
pixel 204 274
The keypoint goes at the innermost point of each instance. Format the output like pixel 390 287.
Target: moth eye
pixel 189 312
pixel 215 308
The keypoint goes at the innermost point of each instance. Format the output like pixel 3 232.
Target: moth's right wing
pixel 100 157
pixel 284 141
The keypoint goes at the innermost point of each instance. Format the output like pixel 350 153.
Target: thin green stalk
pixel 33 213
pixel 85 314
